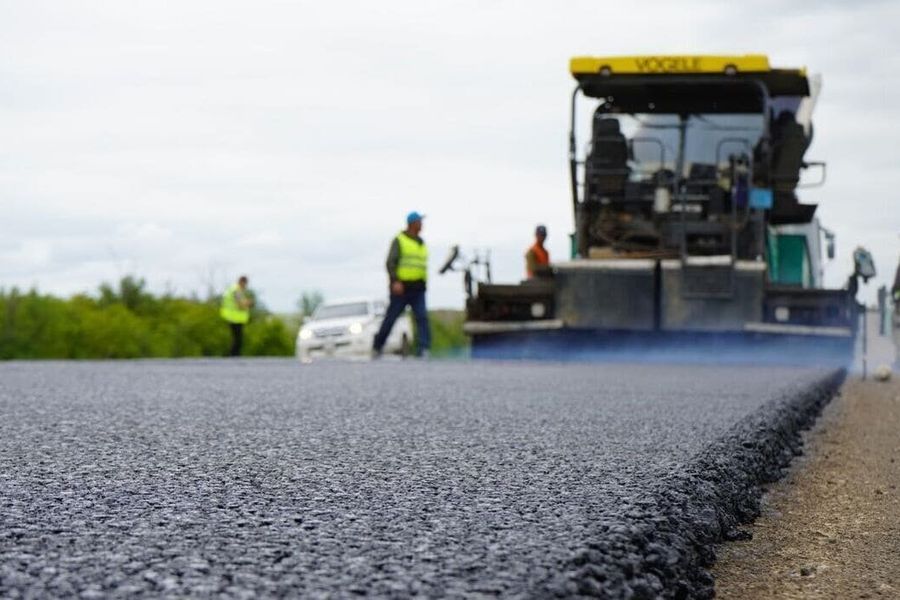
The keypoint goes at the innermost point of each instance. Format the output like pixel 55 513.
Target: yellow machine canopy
pixel 686 83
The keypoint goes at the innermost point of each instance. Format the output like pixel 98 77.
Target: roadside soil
pixel 831 527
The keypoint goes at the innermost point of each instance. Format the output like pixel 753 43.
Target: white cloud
pixel 29 255
pixel 263 239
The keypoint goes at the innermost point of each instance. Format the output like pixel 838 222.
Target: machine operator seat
pixel 608 160
pixel 789 144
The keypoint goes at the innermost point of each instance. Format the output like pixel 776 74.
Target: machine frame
pixel 678 293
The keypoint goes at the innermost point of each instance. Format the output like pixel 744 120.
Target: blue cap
pixel 413 217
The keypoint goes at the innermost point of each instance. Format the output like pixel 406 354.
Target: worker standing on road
pixel 407 267
pixel 236 303
pixel 537 259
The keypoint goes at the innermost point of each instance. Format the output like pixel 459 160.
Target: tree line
pixel 127 321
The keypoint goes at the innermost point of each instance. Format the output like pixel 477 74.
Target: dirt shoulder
pixel 831 528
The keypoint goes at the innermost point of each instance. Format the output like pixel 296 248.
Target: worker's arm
pixel 531 262
pixel 393 259
pixel 242 299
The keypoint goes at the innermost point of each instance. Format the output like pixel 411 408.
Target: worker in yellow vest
pixel 236 303
pixel 407 267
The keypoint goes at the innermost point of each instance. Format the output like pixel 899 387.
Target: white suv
pixel 347 328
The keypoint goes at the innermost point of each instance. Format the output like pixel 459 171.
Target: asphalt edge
pixel 666 543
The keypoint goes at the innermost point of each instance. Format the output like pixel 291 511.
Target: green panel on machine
pixel 789 260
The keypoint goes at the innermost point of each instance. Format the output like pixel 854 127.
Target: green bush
pixel 128 322
pixel 33 326
pixel 447 337
pixel 269 336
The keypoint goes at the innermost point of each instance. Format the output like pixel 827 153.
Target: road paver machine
pixel 689 233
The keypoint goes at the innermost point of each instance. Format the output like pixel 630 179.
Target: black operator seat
pixel 608 161
pixel 702 175
pixel 789 144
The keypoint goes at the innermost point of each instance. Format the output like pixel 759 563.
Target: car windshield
pixel 338 311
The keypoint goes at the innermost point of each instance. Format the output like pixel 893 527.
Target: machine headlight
pixel 305 334
pixel 356 328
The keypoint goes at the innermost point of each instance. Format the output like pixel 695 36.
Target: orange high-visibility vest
pixel 541 256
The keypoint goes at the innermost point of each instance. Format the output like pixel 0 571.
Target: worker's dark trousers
pixel 416 301
pixel 237 338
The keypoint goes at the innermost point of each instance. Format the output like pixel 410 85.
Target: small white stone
pixel 883 373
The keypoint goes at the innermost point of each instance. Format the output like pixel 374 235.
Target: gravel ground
pixel 830 529
pixel 248 478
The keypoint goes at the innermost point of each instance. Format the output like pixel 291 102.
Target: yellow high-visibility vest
pixel 413 263
pixel 230 310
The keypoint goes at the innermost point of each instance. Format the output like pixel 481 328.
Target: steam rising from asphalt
pixel 628 347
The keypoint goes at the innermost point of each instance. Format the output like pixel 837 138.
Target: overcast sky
pixel 188 142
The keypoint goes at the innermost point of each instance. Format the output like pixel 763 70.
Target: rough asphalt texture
pixel 268 478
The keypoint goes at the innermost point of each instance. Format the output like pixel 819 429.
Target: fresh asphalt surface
pixel 266 477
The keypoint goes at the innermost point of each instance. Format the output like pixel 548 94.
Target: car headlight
pixel 356 328
pixel 305 334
